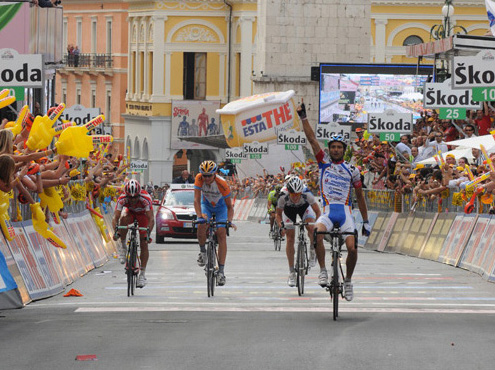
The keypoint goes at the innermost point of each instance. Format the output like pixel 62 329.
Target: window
pixel 94 36
pixel 93 98
pixel 64 33
pixel 109 37
pixel 64 95
pixel 194 76
pixel 79 33
pixel 78 96
pixel 108 108
pixel 412 40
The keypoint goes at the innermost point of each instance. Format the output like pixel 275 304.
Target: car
pixel 175 216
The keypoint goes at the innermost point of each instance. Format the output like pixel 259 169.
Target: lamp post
pixel 447 12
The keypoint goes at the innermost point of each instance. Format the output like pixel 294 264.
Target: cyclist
pixel 336 181
pixel 212 196
pixel 134 204
pixel 292 203
pixel 272 204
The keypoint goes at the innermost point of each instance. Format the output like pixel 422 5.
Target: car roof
pixel 181 187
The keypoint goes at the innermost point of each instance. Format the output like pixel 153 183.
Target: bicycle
pixel 335 287
pixel 302 260
pixel 277 236
pixel 132 264
pixel 211 265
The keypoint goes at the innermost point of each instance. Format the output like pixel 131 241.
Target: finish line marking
pixel 279 309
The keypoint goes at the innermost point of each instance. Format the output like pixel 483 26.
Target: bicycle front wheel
pixel 131 262
pixel 301 267
pixel 210 269
pixel 335 286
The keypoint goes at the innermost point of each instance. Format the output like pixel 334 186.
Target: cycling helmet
pixel 278 188
pixel 295 185
pixel 338 138
pixel 208 168
pixel 132 188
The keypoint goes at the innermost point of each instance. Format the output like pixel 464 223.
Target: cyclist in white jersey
pixel 337 178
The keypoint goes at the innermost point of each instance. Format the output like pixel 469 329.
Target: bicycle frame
pixel 132 263
pixel 336 286
pixel 302 261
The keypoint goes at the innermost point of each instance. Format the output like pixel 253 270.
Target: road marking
pixel 280 309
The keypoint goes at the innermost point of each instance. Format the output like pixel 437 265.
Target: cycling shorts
pixel 220 212
pixel 337 214
pixel 129 217
pixel 290 214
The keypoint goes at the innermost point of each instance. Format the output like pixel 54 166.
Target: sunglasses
pixel 468 130
pixel 207 175
pixel 295 194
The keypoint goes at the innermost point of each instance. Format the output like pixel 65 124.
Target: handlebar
pixel 132 227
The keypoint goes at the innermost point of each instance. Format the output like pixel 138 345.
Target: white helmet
pixel 295 185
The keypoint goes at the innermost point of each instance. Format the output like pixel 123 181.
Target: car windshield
pixel 179 198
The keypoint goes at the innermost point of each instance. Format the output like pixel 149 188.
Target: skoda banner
pixel 20 69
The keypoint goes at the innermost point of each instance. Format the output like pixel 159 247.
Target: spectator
pixel 184 178
pixel 468 131
pixel 482 120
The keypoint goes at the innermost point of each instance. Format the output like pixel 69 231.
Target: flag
pixel 490 10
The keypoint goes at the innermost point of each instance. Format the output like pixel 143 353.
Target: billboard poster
pixel 194 118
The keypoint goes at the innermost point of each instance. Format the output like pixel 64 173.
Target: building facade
pixel 170 53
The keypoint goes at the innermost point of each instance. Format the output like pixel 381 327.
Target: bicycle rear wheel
pixel 335 286
pixel 210 270
pixel 276 237
pixel 301 267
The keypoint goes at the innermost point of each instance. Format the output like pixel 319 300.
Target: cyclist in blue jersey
pixel 337 178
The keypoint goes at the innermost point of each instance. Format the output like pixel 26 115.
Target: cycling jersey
pixel 143 204
pixel 215 193
pixel 336 180
pixel 292 209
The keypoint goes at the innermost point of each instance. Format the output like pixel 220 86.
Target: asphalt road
pixel 407 313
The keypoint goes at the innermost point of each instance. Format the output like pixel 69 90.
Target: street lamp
pixel 441 31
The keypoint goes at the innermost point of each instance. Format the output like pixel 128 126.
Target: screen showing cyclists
pixel 212 197
pixel 134 204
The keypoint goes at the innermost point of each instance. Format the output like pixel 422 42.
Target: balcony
pixel 91 63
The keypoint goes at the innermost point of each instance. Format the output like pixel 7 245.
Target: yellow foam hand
pixel 42 131
pixel 42 228
pixel 74 140
pixel 7 228
pixel 16 127
pixel 5 99
pixel 51 198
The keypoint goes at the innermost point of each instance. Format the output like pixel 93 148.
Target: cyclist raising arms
pixel 134 204
pixel 336 180
pixel 289 205
pixel 212 196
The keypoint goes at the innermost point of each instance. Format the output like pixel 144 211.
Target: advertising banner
pixel 14 271
pixel 71 262
pixel 477 71
pixel 26 262
pixel 95 241
pixel 325 130
pixel 81 115
pixel 194 118
pixel 20 69
pixel 457 238
pixel 441 95
pixel 45 262
pixel 471 256
pixel 80 241
pixel 390 121
pixel 259 118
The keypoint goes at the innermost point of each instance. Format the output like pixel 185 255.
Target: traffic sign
pixel 452 113
pixel 389 136
pixel 484 93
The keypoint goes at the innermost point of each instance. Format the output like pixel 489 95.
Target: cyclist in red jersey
pixel 135 204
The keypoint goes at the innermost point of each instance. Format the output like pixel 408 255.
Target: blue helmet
pixel 338 138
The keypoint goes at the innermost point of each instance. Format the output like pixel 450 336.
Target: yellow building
pixel 188 55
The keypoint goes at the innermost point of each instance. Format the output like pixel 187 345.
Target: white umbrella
pixel 474 142
pixel 457 153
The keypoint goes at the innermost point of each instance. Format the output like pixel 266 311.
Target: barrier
pixel 358 219
pixel 399 230
pixel 457 238
pixel 470 259
pixel 80 241
pixel 421 225
pixel 242 208
pixel 10 295
pixel 387 232
pixel 258 210
pixel 378 229
pixel 441 225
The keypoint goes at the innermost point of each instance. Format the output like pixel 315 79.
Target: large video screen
pixel 348 92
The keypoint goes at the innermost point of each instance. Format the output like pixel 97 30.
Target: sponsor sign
pixel 291 137
pixel 452 113
pixel 259 118
pixel 484 93
pixel 194 118
pixel 477 71
pixel 255 150
pixel 138 165
pixel 82 115
pixel 390 121
pixel 235 154
pixel 324 131
pixel 20 69
pixel 441 95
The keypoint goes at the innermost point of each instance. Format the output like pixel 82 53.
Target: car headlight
pixel 166 215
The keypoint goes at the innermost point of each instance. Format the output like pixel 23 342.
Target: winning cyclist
pixel 296 202
pixel 134 204
pixel 272 204
pixel 212 196
pixel 336 181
